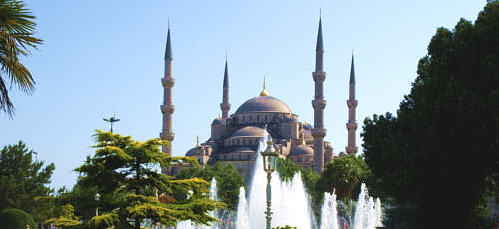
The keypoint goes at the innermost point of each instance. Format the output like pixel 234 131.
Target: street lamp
pixel 97 198
pixel 269 162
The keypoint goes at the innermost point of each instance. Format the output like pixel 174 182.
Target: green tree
pixel 435 157
pixel 16 38
pixel 122 170
pixel 23 182
pixel 228 181
pixel 65 217
pixel 13 218
pixel 344 174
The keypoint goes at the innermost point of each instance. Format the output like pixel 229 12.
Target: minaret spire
pixel 167 107
pixel 168 50
pixel 225 105
pixel 319 103
pixel 352 105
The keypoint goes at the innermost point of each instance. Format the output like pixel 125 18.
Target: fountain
pixel 329 214
pixel 367 211
pixel 290 204
pixel 294 213
pixel 242 210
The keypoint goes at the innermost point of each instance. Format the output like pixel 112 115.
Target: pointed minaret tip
pixel 168 51
pixel 352 71
pixel 226 74
pixel 264 91
pixel 197 141
pixel 320 46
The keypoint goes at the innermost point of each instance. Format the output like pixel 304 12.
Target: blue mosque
pixel 234 137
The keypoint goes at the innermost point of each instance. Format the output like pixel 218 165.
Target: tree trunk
pixel 137 191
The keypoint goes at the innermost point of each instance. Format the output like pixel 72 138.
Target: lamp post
pixel 97 198
pixel 269 162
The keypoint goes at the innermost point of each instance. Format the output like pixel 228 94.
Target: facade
pixel 235 137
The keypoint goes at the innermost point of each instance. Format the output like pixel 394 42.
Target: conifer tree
pixel 123 170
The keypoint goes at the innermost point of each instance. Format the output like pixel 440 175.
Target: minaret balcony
pixel 225 106
pixel 168 82
pixel 351 126
pixel 319 76
pixel 167 108
pixel 319 132
pixel 352 103
pixel 351 149
pixel 167 136
pixel 319 104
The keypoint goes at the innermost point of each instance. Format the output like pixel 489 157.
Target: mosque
pixel 234 137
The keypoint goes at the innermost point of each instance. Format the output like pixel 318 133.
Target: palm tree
pixel 16 37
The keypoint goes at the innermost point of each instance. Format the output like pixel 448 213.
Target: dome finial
pixel 197 141
pixel 264 91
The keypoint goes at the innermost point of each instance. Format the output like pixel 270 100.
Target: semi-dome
pixel 249 131
pixel 301 150
pixel 263 104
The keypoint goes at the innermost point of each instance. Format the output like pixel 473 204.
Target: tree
pixel 23 183
pixel 16 38
pixel 122 170
pixel 13 218
pixel 435 157
pixel 65 217
pixel 228 181
pixel 344 174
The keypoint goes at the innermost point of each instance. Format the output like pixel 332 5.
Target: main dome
pixel 263 104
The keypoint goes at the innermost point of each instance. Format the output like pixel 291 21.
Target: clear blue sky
pixel 105 57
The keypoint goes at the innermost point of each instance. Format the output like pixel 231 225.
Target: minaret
pixel 167 108
pixel 352 105
pixel 319 104
pixel 225 105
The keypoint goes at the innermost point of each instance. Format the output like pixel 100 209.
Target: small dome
pixel 217 121
pixel 263 104
pixel 249 131
pixel 307 126
pixel 193 152
pixel 301 150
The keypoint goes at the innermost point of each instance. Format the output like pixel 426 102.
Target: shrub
pixel 13 218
